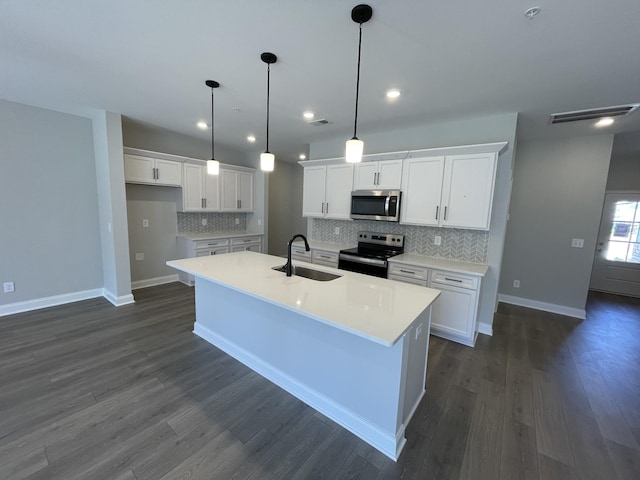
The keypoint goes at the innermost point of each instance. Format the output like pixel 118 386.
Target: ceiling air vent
pixel 319 123
pixel 578 115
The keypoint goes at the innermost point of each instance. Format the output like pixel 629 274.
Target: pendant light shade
pixel 213 166
pixel 267 159
pixel 354 147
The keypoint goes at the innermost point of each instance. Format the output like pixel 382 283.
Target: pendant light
pixel 267 159
pixel 213 166
pixel 353 152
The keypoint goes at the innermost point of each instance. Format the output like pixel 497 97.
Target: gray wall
pixel 49 232
pixel 285 206
pixel 558 191
pixel 496 128
pixel 624 170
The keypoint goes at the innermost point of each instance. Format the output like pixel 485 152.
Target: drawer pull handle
pixel 324 256
pixel 408 271
pixel 453 279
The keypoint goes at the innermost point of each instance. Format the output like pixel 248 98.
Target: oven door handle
pixel 357 259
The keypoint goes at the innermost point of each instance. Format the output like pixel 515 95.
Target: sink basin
pixel 310 273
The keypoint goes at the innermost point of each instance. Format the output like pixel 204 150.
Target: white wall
pixel 487 129
pixel 624 170
pixel 49 232
pixel 558 192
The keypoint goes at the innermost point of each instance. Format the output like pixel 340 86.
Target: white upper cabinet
pixel 200 191
pixel 139 169
pixel 467 190
pixel 236 190
pixel 421 191
pixel 327 191
pixel 449 191
pixel 382 175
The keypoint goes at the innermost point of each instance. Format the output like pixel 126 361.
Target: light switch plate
pixel 139 256
pixel 145 223
pixel 9 287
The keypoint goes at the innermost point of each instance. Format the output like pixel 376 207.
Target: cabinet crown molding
pixel 181 159
pixel 495 147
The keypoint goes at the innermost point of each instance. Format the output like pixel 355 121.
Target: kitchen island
pixel 353 348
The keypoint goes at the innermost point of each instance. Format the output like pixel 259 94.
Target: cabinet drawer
pixel 245 240
pixel 217 242
pixel 413 281
pixel 205 252
pixel 409 271
pixel 300 253
pixel 325 258
pixel 454 279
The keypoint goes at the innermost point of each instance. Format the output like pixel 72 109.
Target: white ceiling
pixel 464 58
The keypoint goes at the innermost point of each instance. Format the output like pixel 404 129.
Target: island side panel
pixel 358 383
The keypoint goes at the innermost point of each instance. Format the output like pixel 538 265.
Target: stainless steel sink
pixel 310 273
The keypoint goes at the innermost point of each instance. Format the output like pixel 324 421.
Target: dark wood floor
pixel 90 391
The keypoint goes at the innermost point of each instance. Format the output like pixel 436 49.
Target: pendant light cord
pixel 355 122
pixel 268 90
pixel 212 138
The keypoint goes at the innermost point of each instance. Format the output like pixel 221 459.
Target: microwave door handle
pixel 386 205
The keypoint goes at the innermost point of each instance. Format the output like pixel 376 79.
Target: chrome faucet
pixel 288 267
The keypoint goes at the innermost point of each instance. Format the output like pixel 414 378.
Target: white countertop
pixel 212 235
pixel 441 263
pixel 374 308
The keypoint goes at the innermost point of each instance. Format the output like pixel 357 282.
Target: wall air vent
pixel 319 123
pixel 591 114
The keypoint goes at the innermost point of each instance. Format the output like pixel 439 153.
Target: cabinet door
pixel 192 194
pixel 421 190
pixel 453 314
pixel 338 191
pixel 139 169
pixel 211 191
pixel 313 198
pixel 468 190
pixel 245 191
pixel 365 176
pixel 168 173
pixel 389 174
pixel 229 190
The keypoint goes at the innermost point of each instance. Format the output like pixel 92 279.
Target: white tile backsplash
pixel 216 222
pixel 462 245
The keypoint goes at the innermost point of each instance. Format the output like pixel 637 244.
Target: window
pixel 624 238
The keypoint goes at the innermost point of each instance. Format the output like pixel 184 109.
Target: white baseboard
pixel 52 301
pixel 390 445
pixel 485 329
pixel 544 306
pixel 118 301
pixel 152 282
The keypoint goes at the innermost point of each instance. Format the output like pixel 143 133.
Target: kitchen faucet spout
pixel 288 267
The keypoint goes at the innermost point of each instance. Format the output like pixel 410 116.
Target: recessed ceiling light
pixel 302 156
pixel 393 93
pixel 202 125
pixel 604 122
pixel 308 115
pixel 251 138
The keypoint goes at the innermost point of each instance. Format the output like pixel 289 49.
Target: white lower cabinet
pixel 241 244
pixel 203 247
pixel 454 314
pixel 324 257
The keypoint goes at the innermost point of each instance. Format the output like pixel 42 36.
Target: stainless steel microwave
pixel 376 205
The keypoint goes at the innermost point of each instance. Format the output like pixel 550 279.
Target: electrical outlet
pixel 204 222
pixel 516 284
pixel 139 256
pixel 9 287
pixel 577 242
pixel 337 230
pixel 259 222
pixel 437 240
pixel 237 221
pixel 145 223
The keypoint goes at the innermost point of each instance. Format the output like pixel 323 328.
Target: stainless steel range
pixel 371 254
